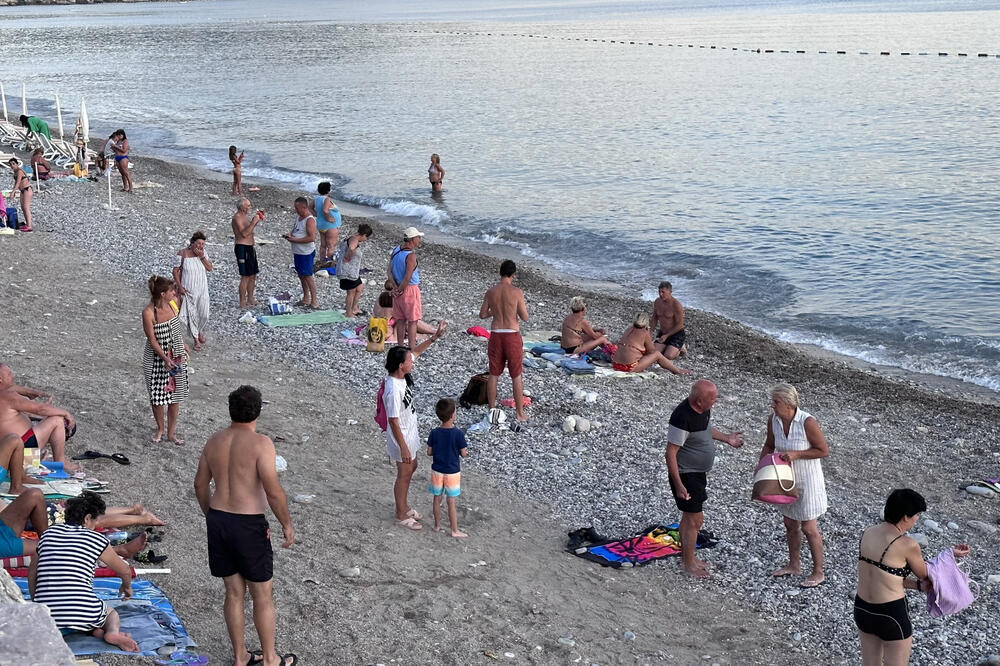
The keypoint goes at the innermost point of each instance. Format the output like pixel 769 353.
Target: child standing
pixel 446 444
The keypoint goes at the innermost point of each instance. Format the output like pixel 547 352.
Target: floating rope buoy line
pixel 701 46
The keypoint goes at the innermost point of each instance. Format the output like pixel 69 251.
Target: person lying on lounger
pixel 55 427
pixel 636 352
pixel 577 335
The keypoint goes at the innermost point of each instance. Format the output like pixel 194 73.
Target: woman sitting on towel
pixel 636 352
pixel 577 335
pixel 62 576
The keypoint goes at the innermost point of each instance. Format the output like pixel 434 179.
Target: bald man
pixel 690 455
pixel 246 254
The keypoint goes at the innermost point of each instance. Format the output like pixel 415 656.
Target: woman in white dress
pixel 796 436
pixel 191 277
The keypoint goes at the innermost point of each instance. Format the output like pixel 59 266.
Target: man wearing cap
pixel 404 274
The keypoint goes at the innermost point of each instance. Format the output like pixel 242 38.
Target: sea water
pixel 844 199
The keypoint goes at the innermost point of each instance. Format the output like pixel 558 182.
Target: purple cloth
pixel 950 592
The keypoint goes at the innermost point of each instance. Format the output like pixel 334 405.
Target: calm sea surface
pixel 848 201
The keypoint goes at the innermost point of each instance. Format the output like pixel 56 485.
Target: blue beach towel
pixel 546 348
pixel 577 366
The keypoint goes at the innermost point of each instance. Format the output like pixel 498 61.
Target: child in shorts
pixel 446 444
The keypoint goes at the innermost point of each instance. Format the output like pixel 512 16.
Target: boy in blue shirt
pixel 446 444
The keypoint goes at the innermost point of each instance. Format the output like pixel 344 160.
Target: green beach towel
pixel 303 319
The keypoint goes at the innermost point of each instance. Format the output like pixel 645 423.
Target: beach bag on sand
pixel 378 329
pixel 774 481
pixel 381 418
pixel 475 391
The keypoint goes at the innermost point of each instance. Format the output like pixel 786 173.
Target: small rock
pixel 349 572
pixel 952 526
pixel 791 593
pixel 351 422
pixel 567 641
pixel 993 660
pixel 629 636
pixel 569 424
pixel 592 397
pixel 993 579
pixel 980 526
pixel 796 636
pixel 582 424
pixel 509 655
pixel 920 538
pixel 979 490
pixel 933 526
pixel 303 498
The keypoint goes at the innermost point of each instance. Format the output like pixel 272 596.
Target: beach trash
pixel 280 464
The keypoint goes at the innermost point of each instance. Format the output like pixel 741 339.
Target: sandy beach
pixel 509 593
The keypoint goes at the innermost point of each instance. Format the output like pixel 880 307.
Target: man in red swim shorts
pixel 506 305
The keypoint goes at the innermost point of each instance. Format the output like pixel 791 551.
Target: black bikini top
pixel 902 572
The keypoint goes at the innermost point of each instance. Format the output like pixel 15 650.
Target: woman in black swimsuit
pixel 22 186
pixel 886 558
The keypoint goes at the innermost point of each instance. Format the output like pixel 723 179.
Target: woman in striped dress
pixel 62 575
pixel 795 435
pixel 191 275
pixel 164 361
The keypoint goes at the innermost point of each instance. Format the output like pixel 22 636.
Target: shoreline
pixel 884 433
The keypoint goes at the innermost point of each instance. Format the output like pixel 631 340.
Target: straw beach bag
pixel 774 481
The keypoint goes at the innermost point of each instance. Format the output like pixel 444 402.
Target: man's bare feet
pixel 696 571
pixel 814 580
pixel 121 640
pixel 252 303
pixel 70 467
pixel 459 534
pixel 786 570
pixel 134 546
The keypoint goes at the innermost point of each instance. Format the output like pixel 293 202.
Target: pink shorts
pixel 407 306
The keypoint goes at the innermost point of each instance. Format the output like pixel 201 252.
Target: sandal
pixel 410 524
pixel 412 513
pixel 149 557
pixel 120 458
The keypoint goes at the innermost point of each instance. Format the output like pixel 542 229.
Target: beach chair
pixel 13 135
pixel 57 151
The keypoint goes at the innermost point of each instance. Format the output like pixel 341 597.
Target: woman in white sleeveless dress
pixel 796 436
pixel 191 277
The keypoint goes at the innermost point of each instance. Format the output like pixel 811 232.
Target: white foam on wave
pixel 402 207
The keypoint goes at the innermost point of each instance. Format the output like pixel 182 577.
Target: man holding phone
pixel 246 254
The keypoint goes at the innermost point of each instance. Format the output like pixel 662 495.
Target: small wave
pixel 402 207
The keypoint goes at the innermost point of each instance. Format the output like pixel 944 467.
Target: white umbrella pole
pixel 109 189
pixel 59 115
pixel 3 94
pixel 86 120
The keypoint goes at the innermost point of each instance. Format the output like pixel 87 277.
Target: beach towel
pixel 653 543
pixel 545 348
pixel 577 366
pixel 57 489
pixel 302 319
pixel 609 373
pixel 17 567
pixel 951 591
pixel 378 331
pixel 149 617
pixel 478 331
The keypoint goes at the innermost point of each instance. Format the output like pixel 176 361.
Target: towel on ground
pixel 302 319
pixel 653 543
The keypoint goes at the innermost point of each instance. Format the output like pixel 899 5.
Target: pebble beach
pixel 72 293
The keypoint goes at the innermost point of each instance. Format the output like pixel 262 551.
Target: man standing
pixel 303 240
pixel 506 305
pixel 404 274
pixel 242 464
pixel 690 455
pixel 668 317
pixel 54 428
pixel 246 253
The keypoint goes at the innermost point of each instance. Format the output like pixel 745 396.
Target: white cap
pixel 411 232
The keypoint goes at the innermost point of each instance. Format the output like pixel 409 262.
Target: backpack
pixel 380 416
pixel 475 391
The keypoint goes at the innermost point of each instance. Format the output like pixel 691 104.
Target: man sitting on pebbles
pixel 690 455
pixel 668 316
pixel 56 426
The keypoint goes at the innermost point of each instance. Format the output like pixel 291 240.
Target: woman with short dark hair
pixel 191 268
pixel 886 558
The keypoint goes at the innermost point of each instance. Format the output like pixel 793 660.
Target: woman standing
pixel 191 273
pixel 886 558
pixel 237 161
pixel 435 173
pixel 402 439
pixel 795 435
pixel 164 359
pixel 120 146
pixel 349 270
pixel 22 188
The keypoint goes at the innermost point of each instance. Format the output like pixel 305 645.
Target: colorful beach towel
pixel 653 543
pixel 302 319
pixel 149 617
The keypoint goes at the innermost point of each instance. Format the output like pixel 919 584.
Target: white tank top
pixel 299 231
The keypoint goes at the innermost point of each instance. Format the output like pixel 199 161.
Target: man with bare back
pixel 668 318
pixel 506 305
pixel 242 464
pixel 246 253
pixel 54 428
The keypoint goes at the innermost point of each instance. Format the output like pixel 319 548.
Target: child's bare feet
pixel 459 535
pixel 437 528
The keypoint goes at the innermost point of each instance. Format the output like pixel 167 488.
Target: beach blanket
pixel 610 373
pixel 577 366
pixel 302 319
pixel 543 348
pixel 148 616
pixel 17 567
pixel 531 338
pixel 653 543
pixel 57 489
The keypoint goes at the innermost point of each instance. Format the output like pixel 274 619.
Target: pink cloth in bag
pixel 950 592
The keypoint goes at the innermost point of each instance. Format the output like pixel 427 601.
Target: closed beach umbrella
pixel 3 94
pixel 24 102
pixel 85 120
pixel 59 116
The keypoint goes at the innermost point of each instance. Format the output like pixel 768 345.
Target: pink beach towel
pixel 950 592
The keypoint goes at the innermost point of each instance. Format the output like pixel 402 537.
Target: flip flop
pixel 410 524
pixel 256 657
pixel 149 557
pixel 89 455
pixel 120 458
pixel 412 513
pixel 158 439
pixel 286 657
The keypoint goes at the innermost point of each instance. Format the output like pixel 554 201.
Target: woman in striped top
pixel 62 576
pixel 796 436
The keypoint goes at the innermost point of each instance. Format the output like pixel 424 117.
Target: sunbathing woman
pixel 237 161
pixel 577 335
pixel 636 352
pixel 22 188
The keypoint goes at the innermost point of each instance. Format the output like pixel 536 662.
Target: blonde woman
pixel 435 173
pixel 577 335
pixel 636 352
pixel 796 436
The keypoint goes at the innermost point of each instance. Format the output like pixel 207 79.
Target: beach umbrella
pixel 3 94
pixel 59 115
pixel 24 102
pixel 85 120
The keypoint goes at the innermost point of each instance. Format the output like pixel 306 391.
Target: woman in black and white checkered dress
pixel 164 361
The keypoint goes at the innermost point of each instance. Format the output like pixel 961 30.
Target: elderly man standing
pixel 404 274
pixel 690 455
pixel 246 254
pixel 56 424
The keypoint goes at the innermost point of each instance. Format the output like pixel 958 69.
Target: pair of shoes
pixel 410 524
pixel 412 513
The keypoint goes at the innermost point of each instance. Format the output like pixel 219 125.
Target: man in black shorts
pixel 668 319
pixel 690 456
pixel 246 253
pixel 241 462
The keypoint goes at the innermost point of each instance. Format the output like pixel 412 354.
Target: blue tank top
pixel 322 222
pixel 399 266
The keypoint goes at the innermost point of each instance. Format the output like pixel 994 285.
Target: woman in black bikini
pixel 886 558
pixel 22 186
